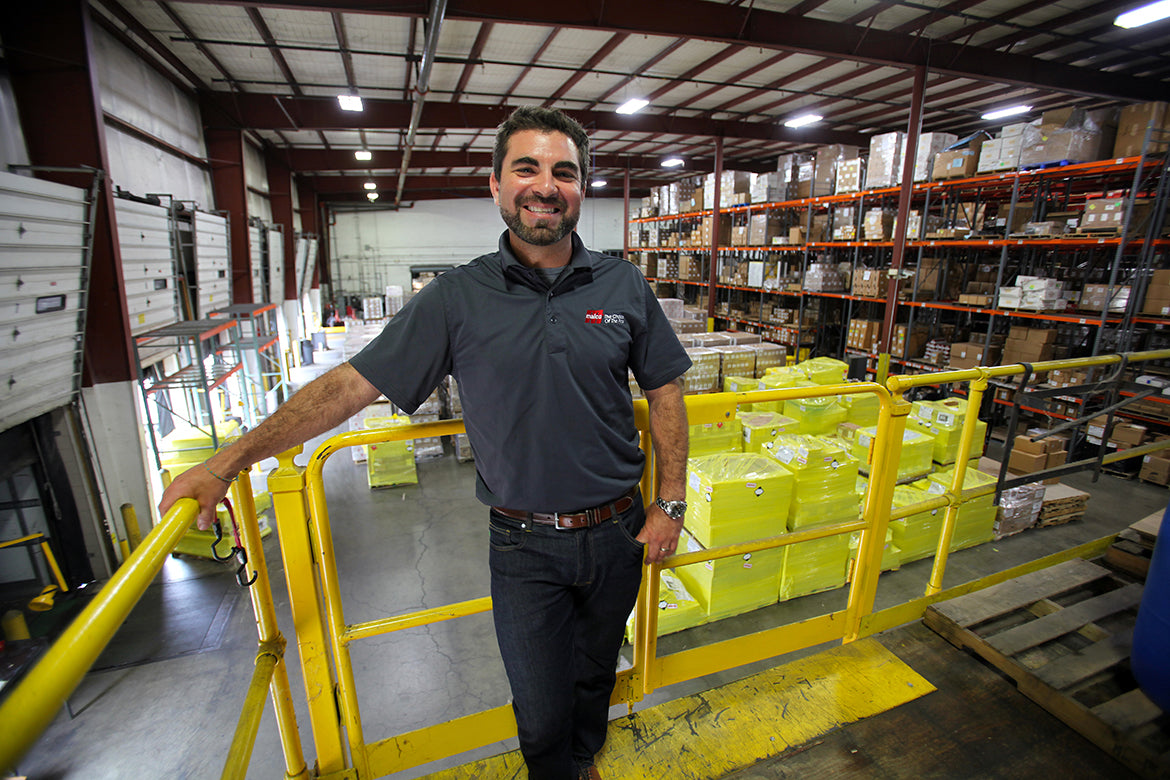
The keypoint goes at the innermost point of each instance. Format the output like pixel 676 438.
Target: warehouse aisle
pixel 166 705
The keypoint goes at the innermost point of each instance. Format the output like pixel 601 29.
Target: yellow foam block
pixel 713 438
pixel 915 460
pixel 815 416
pixel 861 409
pixel 736 497
pixel 760 429
pixel 943 420
pixel 824 371
pixel 825 489
pixel 731 586
pixel 677 608
pixel 390 463
pixel 814 566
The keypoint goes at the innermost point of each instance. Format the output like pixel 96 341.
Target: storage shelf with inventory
pixel 261 354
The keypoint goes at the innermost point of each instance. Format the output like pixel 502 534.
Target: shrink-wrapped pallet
pixel 740 384
pixel 915 460
pixel 1019 508
pixel 731 586
pixel 760 429
pixel 677 608
pixel 716 438
pixel 975 523
pixel 825 480
pixel 736 360
pixel 861 409
pixel 813 566
pixel 915 536
pixel 769 355
pixel 943 421
pixel 891 555
pixel 824 371
pixel 703 375
pixel 815 416
pixel 390 463
pixel 736 497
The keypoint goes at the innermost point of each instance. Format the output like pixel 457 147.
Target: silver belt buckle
pixel 557 522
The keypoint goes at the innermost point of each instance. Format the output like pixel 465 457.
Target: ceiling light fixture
pixel 370 185
pixel 672 162
pixel 598 183
pixel 350 103
pixel 803 119
pixel 363 155
pixel 633 105
pixel 1151 12
pixel 1001 113
pixel 373 196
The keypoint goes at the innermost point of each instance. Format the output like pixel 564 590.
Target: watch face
pixel 676 509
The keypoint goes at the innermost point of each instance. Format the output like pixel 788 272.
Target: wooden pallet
pixel 1063 634
pixel 1062 504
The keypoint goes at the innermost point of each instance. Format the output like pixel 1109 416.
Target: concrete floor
pixel 163 700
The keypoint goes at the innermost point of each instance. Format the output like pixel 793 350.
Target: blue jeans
pixel 560 600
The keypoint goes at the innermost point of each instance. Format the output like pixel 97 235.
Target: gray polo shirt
pixel 542 371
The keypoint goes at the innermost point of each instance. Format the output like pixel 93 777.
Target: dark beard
pixel 540 236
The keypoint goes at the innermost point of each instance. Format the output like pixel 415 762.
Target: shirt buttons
pixel 553 319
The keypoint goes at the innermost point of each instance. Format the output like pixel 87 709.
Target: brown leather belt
pixel 586 518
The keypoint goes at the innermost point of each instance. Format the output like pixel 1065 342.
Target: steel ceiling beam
pixel 331 185
pixel 304 160
pixel 267 112
pixel 751 26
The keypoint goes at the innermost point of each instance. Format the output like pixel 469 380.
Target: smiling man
pixel 540 336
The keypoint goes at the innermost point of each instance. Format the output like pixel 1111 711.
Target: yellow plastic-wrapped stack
pixel 915 461
pixel 825 480
pixel 740 384
pixel 778 378
pixel 760 429
pixel 813 566
pixel 731 586
pixel 736 497
pixel 815 416
pixel 390 463
pixel 824 371
pixel 975 523
pixel 943 420
pixel 713 438
pixel 891 555
pixel 862 409
pixel 677 608
pixel 915 536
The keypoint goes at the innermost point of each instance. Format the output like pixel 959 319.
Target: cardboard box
pixel 1132 124
pixel 1055 459
pixel 1027 462
pixel 958 164
pixel 1128 434
pixel 763 228
pixel 1156 468
pixel 869 282
pixel 969 354
pixel 796 235
pixel 1045 446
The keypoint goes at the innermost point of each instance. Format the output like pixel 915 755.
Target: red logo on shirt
pixel 595 316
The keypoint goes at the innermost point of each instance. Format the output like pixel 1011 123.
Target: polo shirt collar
pixel 581 263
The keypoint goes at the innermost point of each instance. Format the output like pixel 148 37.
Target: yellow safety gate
pixel 324 638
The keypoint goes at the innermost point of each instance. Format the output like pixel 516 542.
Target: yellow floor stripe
pixel 713 733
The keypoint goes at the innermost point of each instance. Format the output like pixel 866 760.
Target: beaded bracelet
pixel 217 476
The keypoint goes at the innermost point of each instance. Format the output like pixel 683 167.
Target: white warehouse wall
pixel 370 249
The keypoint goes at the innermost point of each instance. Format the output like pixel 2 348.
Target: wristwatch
pixel 676 510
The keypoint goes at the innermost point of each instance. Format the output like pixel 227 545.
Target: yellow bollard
pixel 14 626
pixel 130 521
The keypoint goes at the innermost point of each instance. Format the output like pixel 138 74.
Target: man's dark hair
pixel 546 120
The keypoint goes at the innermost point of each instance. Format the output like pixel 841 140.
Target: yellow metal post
pixel 272 643
pixel 876 512
pixel 130 522
pixel 974 401
pixel 286 484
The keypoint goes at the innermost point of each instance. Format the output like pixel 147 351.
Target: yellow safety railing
pixel 324 637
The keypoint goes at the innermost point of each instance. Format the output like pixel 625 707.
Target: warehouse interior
pixel 207 204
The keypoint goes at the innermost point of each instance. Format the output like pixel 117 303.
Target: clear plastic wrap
pixel 390 463
pixel 740 384
pixel 861 409
pixel 760 429
pixel 815 416
pixel 825 480
pixel 943 420
pixel 677 608
pixel 736 360
pixel 715 438
pixel 1019 508
pixel 824 371
pixel 731 586
pixel 975 523
pixel 769 355
pixel 736 497
pixel 813 566
pixel 703 375
pixel 915 461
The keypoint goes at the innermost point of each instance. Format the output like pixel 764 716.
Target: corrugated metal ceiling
pixel 709 67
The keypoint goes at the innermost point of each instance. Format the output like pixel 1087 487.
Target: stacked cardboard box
pixel 878 225
pixel 1068 135
pixel 885 160
pixel 955 164
pixel 934 279
pixel 1108 215
pixel 1028 345
pixel 978 294
pixel 724 230
pixel 850 175
pixel 1070 377
pixel 1095 297
pixel 864 334
pixel 703 375
pixel 907 343
pixel 870 282
pixel 1132 124
pixel 1045 452
pixel 767 187
pixel 763 228
pixel 1158 294
pixel 825 171
pixel 795 171
pixel 1156 468
pixel 845 223
pixel 970 354
pixel 824 277
pixel 929 146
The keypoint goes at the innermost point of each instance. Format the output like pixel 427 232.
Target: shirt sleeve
pixel 657 356
pixel 412 354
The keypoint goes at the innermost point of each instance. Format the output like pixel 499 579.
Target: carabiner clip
pixel 238 553
pixel 218 526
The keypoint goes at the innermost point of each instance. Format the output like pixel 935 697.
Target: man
pixel 540 336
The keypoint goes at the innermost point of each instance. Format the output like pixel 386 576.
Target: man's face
pixel 539 190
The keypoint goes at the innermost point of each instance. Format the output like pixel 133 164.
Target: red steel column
pixel 51 63
pixel 307 198
pixel 909 152
pixel 280 198
pixel 225 149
